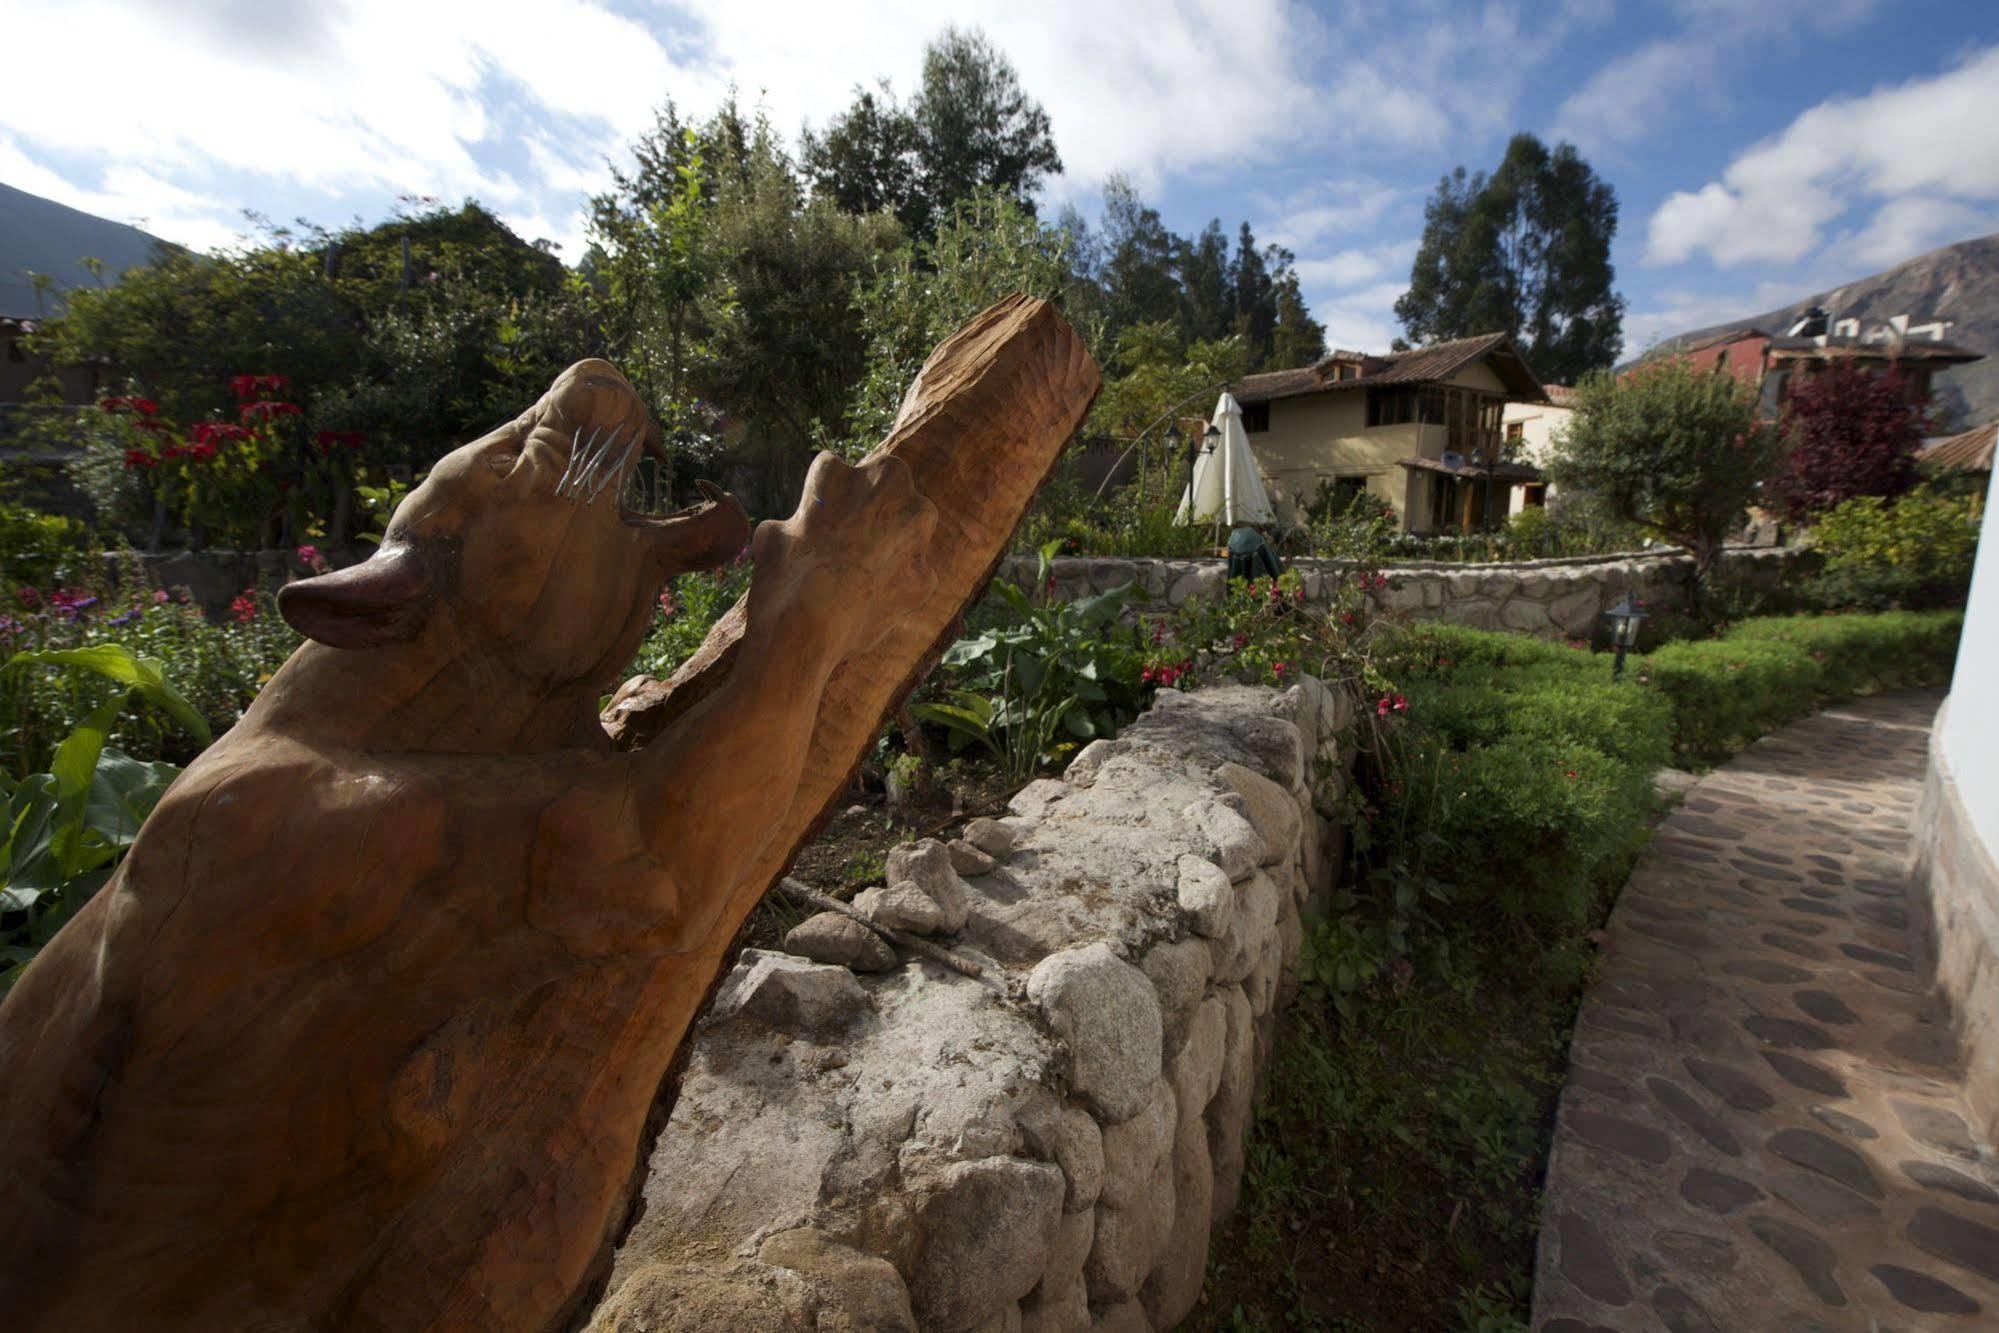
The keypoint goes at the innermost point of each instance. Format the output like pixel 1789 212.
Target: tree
pixel 1677 450
pixel 1206 309
pixel 1851 434
pixel 1525 250
pixel 970 126
pixel 866 161
pixel 985 248
pixel 1139 270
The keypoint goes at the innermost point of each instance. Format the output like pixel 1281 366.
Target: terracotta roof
pixel 1422 365
pixel 1969 452
pixel 1561 395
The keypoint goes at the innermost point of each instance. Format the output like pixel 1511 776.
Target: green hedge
pixel 1729 690
pixel 1527 770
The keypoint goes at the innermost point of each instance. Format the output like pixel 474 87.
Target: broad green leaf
pixel 115 661
pixel 75 770
pixel 122 793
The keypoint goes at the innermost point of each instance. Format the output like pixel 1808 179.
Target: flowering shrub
pixel 234 482
pixel 689 606
pixel 219 667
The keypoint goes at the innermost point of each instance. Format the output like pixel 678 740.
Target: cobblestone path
pixel 1762 1128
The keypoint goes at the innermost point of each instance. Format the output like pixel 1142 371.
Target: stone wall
pixel 1556 598
pixel 871 1141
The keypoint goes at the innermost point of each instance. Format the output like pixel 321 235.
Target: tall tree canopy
pixel 1525 250
pixel 969 127
pixel 1851 434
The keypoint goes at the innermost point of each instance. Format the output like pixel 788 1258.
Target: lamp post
pixel 1624 620
pixel 1172 439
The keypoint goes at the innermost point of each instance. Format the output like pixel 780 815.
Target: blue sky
pixel 1760 149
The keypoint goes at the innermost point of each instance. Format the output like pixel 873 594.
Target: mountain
pixel 1959 283
pixel 42 236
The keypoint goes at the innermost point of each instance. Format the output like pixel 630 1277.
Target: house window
pixel 1516 432
pixel 1533 495
pixel 1391 407
pixel 1256 417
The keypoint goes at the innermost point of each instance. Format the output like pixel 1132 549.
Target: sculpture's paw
pixel 853 553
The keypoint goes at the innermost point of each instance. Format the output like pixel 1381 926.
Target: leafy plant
pixel 1913 550
pixel 1049 676
pixel 66 828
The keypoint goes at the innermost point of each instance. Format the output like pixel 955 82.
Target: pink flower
pixel 666 605
pixel 159 596
pixel 243 608
pixel 309 556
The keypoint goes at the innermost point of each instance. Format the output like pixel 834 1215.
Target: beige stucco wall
pixel 1539 423
pixel 1316 437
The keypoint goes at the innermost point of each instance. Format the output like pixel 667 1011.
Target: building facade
pixel 1424 431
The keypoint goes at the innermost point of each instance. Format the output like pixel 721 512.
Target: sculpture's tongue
pixel 710 534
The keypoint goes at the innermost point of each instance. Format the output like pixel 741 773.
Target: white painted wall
pixel 1971 722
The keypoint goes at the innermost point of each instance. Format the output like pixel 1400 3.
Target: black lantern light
pixel 1624 619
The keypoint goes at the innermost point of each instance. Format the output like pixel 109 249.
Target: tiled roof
pixel 1561 395
pixel 1969 452
pixel 1421 365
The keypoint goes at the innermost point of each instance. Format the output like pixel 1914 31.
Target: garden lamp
pixel 1624 620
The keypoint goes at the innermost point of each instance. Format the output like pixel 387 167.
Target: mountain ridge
pixel 39 235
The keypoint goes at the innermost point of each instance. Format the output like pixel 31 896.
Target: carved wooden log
pixel 365 1030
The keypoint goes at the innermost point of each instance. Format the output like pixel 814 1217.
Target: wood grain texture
pixel 365 1031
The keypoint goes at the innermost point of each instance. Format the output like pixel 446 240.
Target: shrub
pixel 1727 691
pixel 689 606
pixel 1915 550
pixel 38 548
pixel 1851 434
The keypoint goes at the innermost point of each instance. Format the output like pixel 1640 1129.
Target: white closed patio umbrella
pixel 1226 486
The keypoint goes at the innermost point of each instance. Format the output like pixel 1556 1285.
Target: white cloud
pixel 1930 143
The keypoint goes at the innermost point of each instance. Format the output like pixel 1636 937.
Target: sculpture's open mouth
pixel 711 495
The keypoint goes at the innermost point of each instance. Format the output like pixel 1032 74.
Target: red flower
pixel 244 607
pixel 326 441
pixel 139 458
pixel 145 407
pixel 257 386
pixel 266 410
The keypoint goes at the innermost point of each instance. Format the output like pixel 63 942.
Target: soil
pixel 851 852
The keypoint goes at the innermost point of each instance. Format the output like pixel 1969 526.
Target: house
pixel 1530 430
pixel 1422 430
pixel 1815 342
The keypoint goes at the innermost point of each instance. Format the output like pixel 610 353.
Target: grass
pixel 1395 1164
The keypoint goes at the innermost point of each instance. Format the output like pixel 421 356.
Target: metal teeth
pixel 586 462
pixel 616 472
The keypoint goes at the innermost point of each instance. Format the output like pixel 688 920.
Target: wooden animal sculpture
pixel 365 1031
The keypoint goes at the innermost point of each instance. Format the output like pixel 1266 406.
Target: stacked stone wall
pixel 1555 598
pixel 869 1140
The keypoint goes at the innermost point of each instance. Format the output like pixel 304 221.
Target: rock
pixel 927 865
pixel 1237 953
pixel 1195 1069
pixel 1228 1112
pixel 681 1298
pixel 986 1230
pixel 990 836
pixel 1272 812
pixel 855 1292
pixel 902 907
pixel 1173 1288
pixel 1132 1150
pixel 1035 799
pixel 1069 1138
pixel 1233 841
pixel 790 994
pixel 1061 1302
pixel 1179 973
pixel 829 937
pixel 1206 896
pixel 1135 1212
pixel 1107 1012
pixel 969 860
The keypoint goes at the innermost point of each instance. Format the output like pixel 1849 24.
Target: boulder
pixel 1178 971
pixel 927 866
pixel 902 907
pixel 1271 809
pixel 791 994
pixel 969 860
pixel 852 1291
pixel 1206 896
pixel 1060 1303
pixel 831 937
pixel 1233 842
pixel 1107 1013
pixel 990 836
pixel 1069 1138
pixel 986 1229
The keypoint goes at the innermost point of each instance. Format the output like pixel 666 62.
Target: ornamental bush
pixel 1915 550
pixel 1729 690
pixel 1850 434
